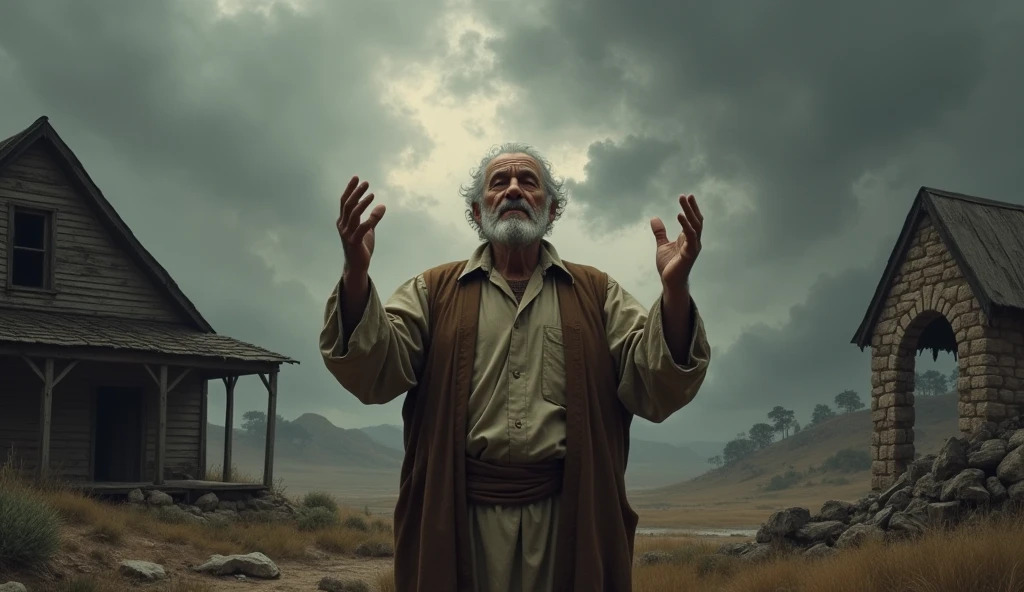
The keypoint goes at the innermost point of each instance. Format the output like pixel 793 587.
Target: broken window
pixel 30 249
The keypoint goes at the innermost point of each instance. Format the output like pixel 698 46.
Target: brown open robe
pixel 594 548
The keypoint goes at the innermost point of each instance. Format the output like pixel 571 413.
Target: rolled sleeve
pixel 383 356
pixel 652 385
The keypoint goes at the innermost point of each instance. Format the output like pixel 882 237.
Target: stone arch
pixel 893 408
pixel 953 283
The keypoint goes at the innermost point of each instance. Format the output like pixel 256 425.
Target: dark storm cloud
pixel 225 143
pixel 802 362
pixel 794 99
pixel 619 177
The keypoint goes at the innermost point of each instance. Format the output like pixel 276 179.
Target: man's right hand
pixel 357 236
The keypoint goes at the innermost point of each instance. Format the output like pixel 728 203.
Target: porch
pixel 110 420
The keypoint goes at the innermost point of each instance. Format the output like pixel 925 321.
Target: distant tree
pixel 796 427
pixel 254 424
pixel 954 375
pixel 716 461
pixel 849 401
pixel 931 383
pixel 821 413
pixel 737 449
pixel 762 434
pixel 782 419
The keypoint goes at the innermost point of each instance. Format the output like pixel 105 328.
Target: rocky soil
pixel 981 474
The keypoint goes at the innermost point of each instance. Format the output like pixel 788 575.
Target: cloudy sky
pixel 224 131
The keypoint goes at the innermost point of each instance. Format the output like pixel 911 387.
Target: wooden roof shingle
pixel 87 331
pixel 985 238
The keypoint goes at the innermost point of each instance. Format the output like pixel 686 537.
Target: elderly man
pixel 523 373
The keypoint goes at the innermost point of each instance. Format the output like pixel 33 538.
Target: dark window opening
pixel 30 250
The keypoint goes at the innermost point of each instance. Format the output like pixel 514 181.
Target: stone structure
pixel 955 283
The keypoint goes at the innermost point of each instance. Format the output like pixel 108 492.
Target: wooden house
pixel 104 362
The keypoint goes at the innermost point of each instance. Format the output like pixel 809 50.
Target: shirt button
pixel 515 325
pixel 515 374
pixel 519 424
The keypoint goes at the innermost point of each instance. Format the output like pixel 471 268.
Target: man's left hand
pixel 675 258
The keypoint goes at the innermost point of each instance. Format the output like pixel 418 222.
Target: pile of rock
pixel 264 506
pixel 979 474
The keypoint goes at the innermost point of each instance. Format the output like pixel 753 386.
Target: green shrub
pixel 29 530
pixel 848 460
pixel 316 518
pixel 320 499
pixel 784 481
pixel 356 523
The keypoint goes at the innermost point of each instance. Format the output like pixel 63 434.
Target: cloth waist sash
pixel 512 485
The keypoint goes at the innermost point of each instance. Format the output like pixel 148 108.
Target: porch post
pixel 46 408
pixel 203 422
pixel 268 461
pixel 46 411
pixel 161 434
pixel 229 429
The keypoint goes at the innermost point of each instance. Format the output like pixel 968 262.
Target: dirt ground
pixel 82 556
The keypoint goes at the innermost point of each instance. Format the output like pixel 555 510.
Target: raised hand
pixel 357 235
pixel 675 258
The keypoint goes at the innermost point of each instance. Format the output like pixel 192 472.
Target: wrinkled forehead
pixel 513 163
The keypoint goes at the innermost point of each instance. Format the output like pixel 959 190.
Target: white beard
pixel 515 231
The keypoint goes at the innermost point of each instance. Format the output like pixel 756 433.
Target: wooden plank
pixel 268 462
pixel 217 367
pixel 93 270
pixel 46 413
pixel 229 414
pixel 161 440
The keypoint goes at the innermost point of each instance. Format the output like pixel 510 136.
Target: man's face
pixel 515 211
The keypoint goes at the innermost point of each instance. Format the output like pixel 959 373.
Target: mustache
pixel 514 207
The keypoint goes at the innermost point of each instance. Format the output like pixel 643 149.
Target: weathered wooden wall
pixel 93 275
pixel 71 437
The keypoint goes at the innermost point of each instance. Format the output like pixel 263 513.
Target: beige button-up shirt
pixel 516 410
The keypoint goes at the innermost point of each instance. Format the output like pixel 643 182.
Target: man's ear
pixel 476 212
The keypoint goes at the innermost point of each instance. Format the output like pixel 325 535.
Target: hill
pixel 347 463
pixel 738 496
pixel 386 434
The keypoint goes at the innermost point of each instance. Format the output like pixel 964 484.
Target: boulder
pixel 207 502
pixel 159 498
pixel 988 456
pixel 857 535
pixel 813 533
pixel 1011 468
pixel 782 523
pixel 835 510
pixel 254 565
pixel 952 459
pixel 819 551
pixel 143 571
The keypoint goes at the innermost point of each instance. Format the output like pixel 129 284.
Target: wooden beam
pixel 161 435
pixel 229 416
pixel 152 374
pixel 64 372
pixel 213 367
pixel 34 368
pixel 178 379
pixel 46 409
pixel 203 401
pixel 268 461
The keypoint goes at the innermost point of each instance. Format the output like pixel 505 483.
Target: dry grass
pixel 112 582
pixel 103 530
pixel 983 557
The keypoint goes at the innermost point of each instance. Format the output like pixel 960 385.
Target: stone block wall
pixel 928 285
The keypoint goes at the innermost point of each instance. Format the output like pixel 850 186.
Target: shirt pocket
pixel 552 381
